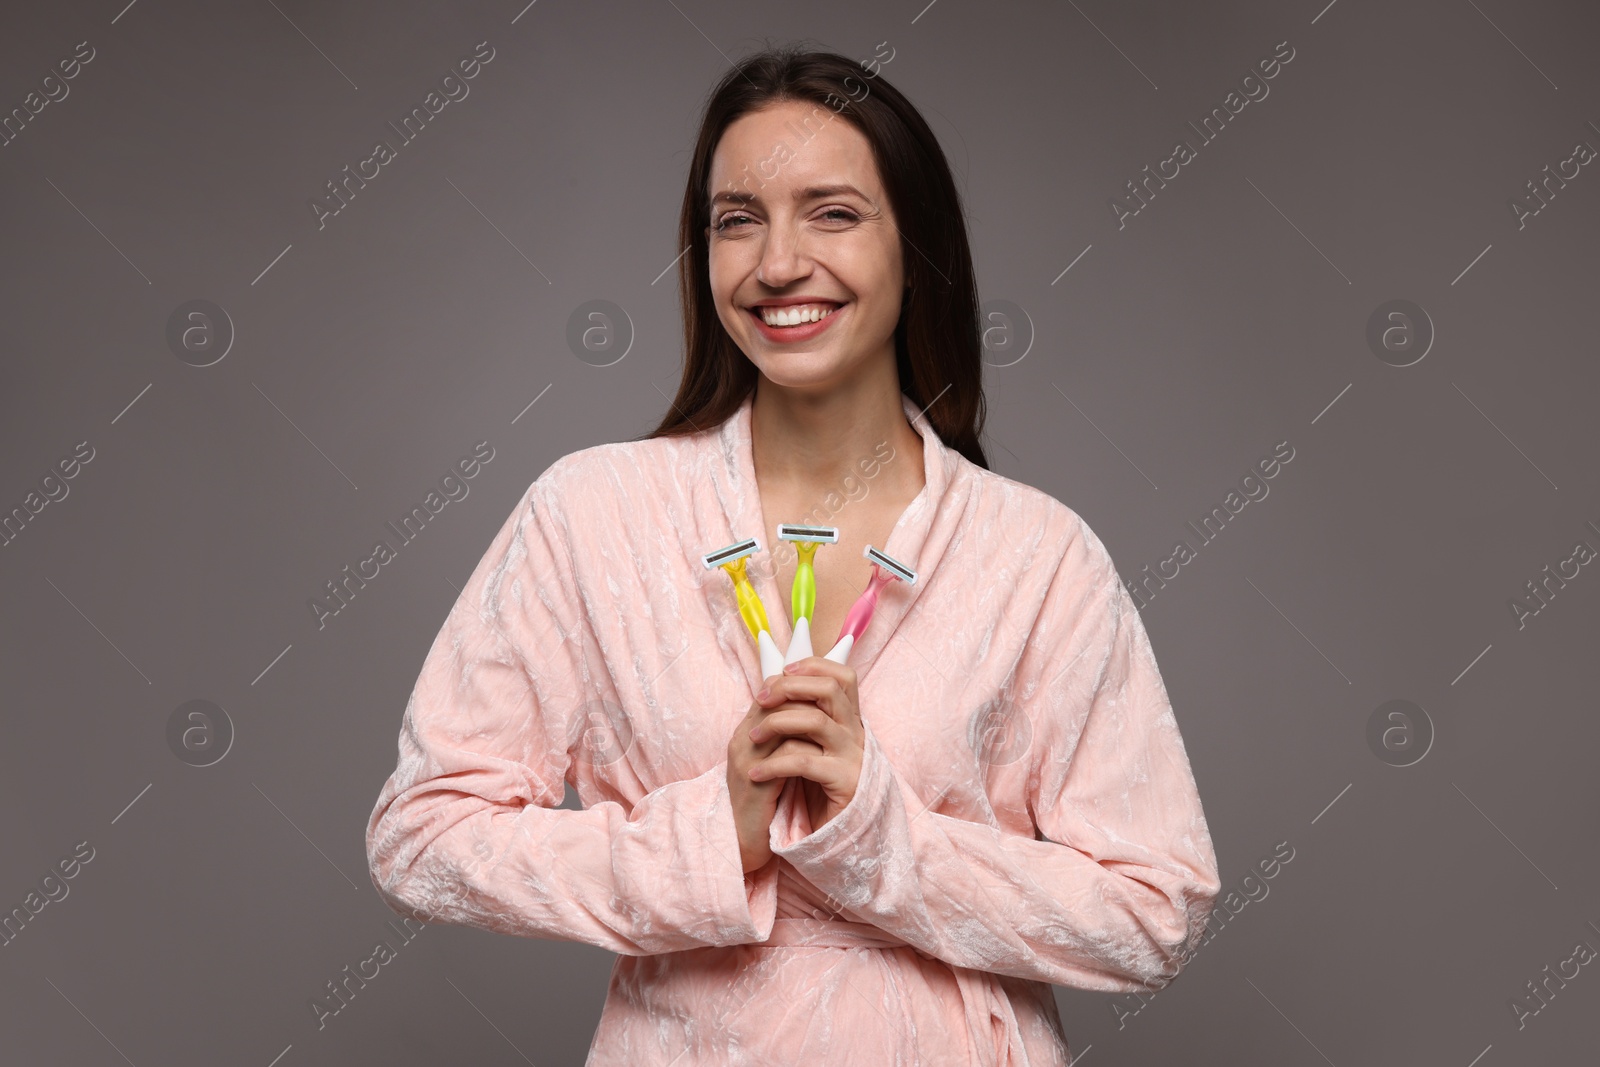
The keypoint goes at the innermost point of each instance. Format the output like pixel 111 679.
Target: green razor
pixel 803 593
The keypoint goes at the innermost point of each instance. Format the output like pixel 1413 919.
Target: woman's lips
pixel 789 334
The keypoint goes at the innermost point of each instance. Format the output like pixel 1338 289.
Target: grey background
pixel 1228 315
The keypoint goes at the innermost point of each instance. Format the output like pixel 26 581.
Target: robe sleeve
pixel 1113 889
pixel 467 829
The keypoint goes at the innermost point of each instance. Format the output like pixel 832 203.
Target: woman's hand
pixel 814 712
pixel 754 802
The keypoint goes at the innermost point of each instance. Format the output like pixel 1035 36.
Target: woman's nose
pixel 783 258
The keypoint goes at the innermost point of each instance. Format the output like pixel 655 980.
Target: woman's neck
pixel 810 443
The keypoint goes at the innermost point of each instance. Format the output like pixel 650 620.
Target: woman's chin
pixel 799 370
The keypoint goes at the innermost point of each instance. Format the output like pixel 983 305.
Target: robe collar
pixel 919 539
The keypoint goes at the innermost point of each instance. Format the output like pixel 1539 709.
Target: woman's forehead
pixel 796 147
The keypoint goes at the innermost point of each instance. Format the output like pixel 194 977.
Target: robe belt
pixel 827 933
pixel 991 1020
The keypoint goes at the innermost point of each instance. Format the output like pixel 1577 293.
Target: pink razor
pixel 885 570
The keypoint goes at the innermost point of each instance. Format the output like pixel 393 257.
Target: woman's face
pixel 800 227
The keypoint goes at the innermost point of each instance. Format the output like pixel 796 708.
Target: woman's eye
pixel 833 215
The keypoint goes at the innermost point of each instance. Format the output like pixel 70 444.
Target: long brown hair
pixel 938 348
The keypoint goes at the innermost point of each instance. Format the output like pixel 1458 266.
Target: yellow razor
pixel 732 559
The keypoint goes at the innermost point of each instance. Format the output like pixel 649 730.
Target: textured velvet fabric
pixel 1025 813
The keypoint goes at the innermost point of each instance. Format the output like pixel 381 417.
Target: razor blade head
pixel 737 550
pixel 891 565
pixel 822 535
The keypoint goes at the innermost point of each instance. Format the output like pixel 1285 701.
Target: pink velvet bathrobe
pixel 1025 814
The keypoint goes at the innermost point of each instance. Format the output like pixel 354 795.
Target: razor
pixel 732 559
pixel 885 569
pixel 803 592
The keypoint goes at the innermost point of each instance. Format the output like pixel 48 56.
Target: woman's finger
pixel 799 720
pixel 812 766
pixel 841 674
pixel 825 692
pixel 784 745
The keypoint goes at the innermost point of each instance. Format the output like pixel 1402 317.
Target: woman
pixel 887 861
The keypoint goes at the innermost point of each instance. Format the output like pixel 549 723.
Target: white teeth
pixel 795 314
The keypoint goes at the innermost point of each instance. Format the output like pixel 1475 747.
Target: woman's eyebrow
pixel 814 192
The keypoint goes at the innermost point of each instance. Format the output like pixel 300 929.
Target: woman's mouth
pixel 794 322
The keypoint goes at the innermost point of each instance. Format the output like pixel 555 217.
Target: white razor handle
pixel 771 658
pixel 840 652
pixel 800 643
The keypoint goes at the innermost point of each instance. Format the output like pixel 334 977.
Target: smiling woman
pixel 827 865
pixel 790 174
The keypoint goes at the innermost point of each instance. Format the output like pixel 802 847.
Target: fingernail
pixel 763 694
